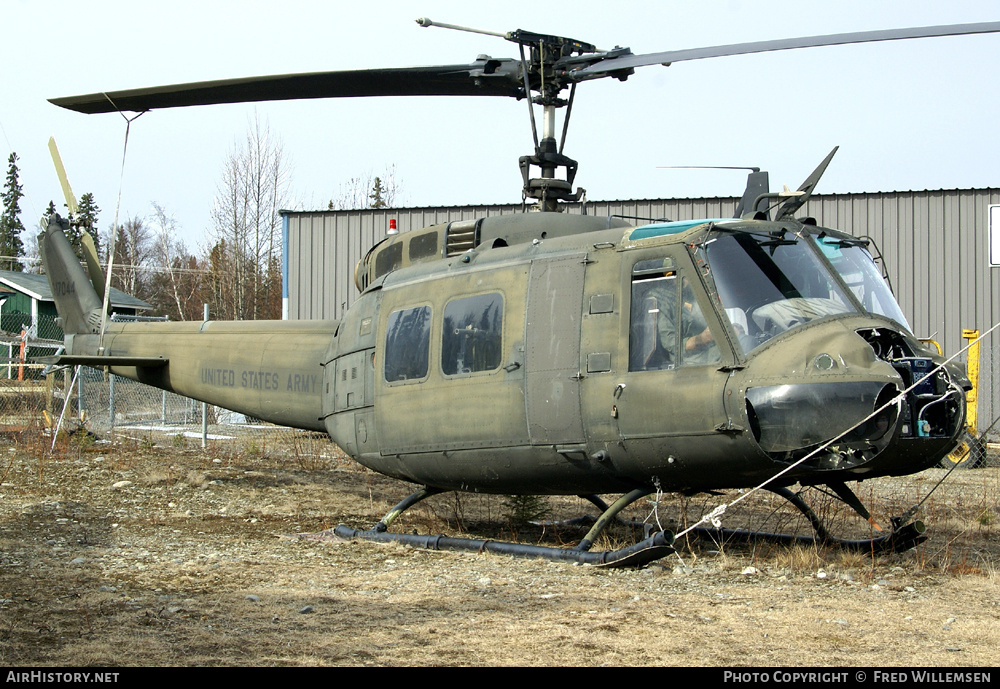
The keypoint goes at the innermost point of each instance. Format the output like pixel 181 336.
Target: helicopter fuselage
pixel 552 353
pixel 566 354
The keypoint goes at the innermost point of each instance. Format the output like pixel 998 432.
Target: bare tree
pixel 177 278
pixel 368 191
pixel 133 248
pixel 247 232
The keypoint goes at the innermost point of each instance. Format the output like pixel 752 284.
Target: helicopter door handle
pixel 616 395
pixel 577 376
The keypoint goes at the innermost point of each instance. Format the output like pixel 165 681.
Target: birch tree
pixel 247 225
pixel 178 279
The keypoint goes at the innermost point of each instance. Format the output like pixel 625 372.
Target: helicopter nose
pixel 786 418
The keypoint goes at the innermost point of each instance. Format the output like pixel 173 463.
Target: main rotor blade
pixel 669 56
pixel 485 77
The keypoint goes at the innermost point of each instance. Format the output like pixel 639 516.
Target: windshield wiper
pixel 843 242
pixel 776 239
pixel 771 243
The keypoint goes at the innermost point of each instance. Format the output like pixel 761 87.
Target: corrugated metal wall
pixel 935 245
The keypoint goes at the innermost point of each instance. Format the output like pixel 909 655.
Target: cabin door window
pixel 472 336
pixel 667 328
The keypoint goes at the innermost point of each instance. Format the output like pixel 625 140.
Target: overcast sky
pixel 907 115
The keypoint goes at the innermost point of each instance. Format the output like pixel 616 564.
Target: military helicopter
pixel 564 354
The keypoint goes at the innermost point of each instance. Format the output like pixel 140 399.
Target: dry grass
pixel 187 562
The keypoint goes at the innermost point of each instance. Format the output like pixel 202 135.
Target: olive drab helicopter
pixel 565 354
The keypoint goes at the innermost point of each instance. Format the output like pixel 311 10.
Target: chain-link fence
pixel 33 395
pixel 110 404
pixel 22 340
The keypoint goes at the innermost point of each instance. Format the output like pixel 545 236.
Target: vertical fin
pixel 76 300
pixel 89 250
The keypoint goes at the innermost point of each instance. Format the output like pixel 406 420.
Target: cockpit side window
pixel 851 260
pixel 667 328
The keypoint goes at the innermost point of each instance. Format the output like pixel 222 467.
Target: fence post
pixel 79 392
pixel 204 406
pixel 50 386
pixel 111 400
pixel 20 356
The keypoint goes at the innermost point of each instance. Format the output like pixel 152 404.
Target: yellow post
pixel 972 370
pixel 969 449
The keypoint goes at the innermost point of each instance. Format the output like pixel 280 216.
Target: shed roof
pixel 37 287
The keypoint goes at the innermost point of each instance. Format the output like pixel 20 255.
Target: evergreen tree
pixel 86 219
pixel 378 194
pixel 10 222
pixel 49 212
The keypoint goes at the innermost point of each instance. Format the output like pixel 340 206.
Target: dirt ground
pixel 153 552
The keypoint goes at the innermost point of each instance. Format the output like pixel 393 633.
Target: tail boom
pixel 271 370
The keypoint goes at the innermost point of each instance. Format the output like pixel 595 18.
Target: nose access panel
pixel 786 418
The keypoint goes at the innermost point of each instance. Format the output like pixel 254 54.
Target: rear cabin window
pixel 473 334
pixel 407 343
pixel 390 258
pixel 424 246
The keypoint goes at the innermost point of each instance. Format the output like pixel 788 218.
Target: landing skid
pixel 654 547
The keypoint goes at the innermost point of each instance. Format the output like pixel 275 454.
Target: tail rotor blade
pixel 61 174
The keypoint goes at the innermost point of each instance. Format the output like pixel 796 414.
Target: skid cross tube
pixel 654 547
pixel 901 538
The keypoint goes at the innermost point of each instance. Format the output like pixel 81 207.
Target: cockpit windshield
pixel 852 261
pixel 772 282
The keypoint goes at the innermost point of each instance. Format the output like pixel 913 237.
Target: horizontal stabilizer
pixel 97 361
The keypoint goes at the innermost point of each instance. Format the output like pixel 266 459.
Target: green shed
pixel 26 298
